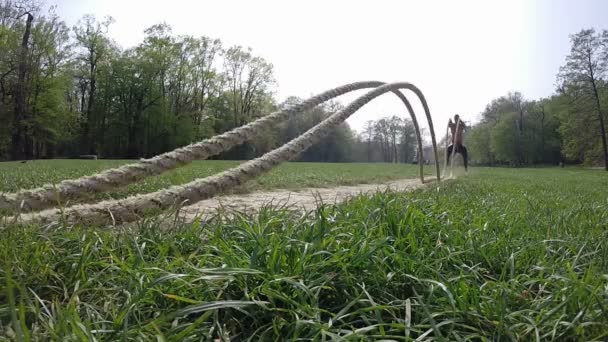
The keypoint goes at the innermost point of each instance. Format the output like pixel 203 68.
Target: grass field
pixel 502 254
pixel 15 175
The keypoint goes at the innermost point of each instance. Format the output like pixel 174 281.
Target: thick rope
pixel 458 123
pixel 76 189
pixel 447 144
pixel 132 208
pixel 454 148
pixel 430 122
pixel 410 110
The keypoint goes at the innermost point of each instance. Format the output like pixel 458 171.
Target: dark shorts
pixel 459 149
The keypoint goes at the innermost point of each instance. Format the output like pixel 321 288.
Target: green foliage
pixel 582 80
pixel 389 139
pixel 478 142
pixel 569 125
pixel 336 147
pixel 504 138
pixel 86 95
pixel 500 255
pixel 582 141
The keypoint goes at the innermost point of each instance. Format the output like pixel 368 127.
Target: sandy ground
pixel 304 199
pixel 301 199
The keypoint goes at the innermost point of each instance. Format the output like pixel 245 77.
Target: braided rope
pixel 430 122
pixel 76 189
pixel 132 208
pixel 454 148
pixel 410 110
pixel 445 164
pixel 447 145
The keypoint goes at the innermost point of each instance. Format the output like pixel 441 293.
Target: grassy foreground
pixel 501 254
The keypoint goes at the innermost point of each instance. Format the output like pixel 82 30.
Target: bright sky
pixel 461 54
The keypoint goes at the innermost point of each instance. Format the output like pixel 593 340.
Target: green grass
pixel 15 175
pixel 502 254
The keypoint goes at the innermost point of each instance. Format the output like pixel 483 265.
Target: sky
pixel 461 54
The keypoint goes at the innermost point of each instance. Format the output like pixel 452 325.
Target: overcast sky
pixel 461 54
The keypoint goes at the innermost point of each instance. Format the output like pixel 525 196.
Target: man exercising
pixel 457 127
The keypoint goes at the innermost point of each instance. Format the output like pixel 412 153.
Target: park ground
pixel 499 254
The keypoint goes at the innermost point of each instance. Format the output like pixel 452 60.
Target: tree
pixel 336 147
pixel 368 133
pixel 502 136
pixel 205 79
pixel 20 139
pixel 581 76
pixel 542 140
pixel 93 46
pixel 33 79
pixel 408 141
pixel 249 79
pixel 579 143
pixel 478 140
pixel 395 128
pixel 381 137
pixel 10 33
pixel 504 139
pixel 63 94
pixel 512 102
pixel 494 112
pixel 51 122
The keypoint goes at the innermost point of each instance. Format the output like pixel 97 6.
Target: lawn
pixel 15 175
pixel 501 254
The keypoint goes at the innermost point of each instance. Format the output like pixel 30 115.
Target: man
pixel 457 127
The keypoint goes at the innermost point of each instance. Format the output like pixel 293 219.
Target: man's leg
pixel 450 149
pixel 463 151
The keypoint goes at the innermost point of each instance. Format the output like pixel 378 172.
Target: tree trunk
pixel 102 133
pixel 84 124
pixel 542 135
pixel 19 129
pixel 520 148
pixel 201 111
pixel 602 129
pixel 90 121
pixel 604 145
pixel 131 144
pixel 602 125
pixel 395 154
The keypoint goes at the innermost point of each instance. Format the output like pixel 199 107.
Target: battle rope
pixel 447 133
pixel 81 188
pixel 135 207
pixel 447 145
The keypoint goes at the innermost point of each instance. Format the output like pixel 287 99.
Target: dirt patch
pixel 302 199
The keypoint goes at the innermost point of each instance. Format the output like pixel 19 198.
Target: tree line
pixel 389 139
pixel 73 91
pixel 567 127
pixel 66 92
